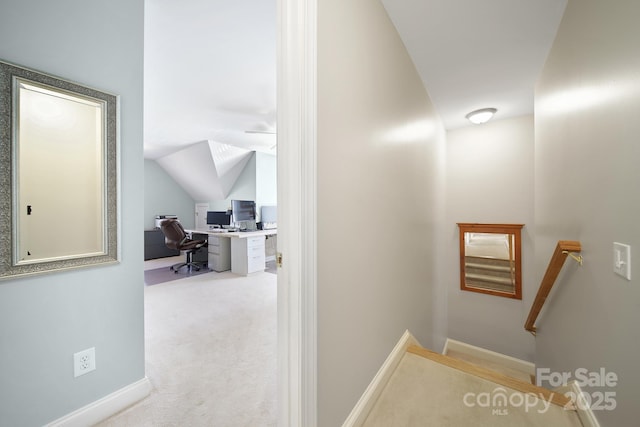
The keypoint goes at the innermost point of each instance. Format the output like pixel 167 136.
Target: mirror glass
pixel 59 142
pixel 490 259
pixel 58 146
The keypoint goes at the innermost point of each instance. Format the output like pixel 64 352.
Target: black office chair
pixel 176 238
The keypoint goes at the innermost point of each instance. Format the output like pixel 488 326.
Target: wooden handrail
pixel 563 249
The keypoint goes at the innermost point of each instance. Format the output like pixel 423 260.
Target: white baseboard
pixel 492 356
pixel 103 408
pixel 360 412
pixel 586 415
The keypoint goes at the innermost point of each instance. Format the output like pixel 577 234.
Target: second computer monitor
pixel 243 210
pixel 244 214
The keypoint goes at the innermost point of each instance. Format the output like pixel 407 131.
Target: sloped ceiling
pixel 207 170
pixel 210 74
pixel 475 54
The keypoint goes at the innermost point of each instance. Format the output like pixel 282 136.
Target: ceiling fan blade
pixel 266 132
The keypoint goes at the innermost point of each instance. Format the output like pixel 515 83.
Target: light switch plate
pixel 622 260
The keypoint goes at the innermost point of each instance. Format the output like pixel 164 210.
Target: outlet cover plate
pixel 84 361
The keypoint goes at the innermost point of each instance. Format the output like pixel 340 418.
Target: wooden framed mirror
pixel 490 259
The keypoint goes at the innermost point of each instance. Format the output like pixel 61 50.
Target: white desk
pixel 246 251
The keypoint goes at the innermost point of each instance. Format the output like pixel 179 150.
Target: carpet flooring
pixel 421 392
pixel 161 274
pixel 164 274
pixel 210 353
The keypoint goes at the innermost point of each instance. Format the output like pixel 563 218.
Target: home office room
pixel 210 294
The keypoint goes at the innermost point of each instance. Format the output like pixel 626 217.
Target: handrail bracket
pixel 578 257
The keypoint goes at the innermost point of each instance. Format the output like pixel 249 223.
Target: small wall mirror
pixel 58 143
pixel 490 259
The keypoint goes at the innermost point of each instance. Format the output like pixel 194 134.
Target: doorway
pixel 237 121
pixel 296 278
pixel 201 216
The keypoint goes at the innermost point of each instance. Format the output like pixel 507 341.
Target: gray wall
pixel 258 182
pixel 45 319
pixel 243 189
pixel 162 195
pixel 490 180
pixel 380 166
pixel 587 175
pixel 266 180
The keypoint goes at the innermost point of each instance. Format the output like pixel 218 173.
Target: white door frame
pixel 297 319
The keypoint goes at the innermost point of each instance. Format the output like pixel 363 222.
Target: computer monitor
pixel 269 217
pixel 218 218
pixel 243 210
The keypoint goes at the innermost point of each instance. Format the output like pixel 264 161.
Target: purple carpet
pixel 161 275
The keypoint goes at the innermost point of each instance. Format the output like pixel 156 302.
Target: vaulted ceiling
pixel 210 65
pixel 210 74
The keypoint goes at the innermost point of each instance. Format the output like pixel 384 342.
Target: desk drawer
pixel 214 240
pixel 255 263
pixel 255 241
pixel 219 262
pixel 253 251
pixel 218 244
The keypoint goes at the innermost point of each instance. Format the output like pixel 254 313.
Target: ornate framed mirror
pixel 58 173
pixel 490 259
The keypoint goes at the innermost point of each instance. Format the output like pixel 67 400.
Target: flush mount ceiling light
pixel 480 116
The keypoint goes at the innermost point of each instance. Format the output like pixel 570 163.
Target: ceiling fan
pixel 266 131
pixel 266 126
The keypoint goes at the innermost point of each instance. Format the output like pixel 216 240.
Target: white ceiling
pixel 476 54
pixel 210 65
pixel 210 73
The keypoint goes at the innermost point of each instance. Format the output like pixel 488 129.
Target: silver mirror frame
pixel 8 268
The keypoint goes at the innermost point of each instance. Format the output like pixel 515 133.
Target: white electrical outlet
pixel 84 361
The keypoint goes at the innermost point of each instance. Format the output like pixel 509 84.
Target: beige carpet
pixel 211 353
pixel 423 393
pixel 494 366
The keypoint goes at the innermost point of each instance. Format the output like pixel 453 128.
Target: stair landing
pixel 425 392
pixel 494 366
